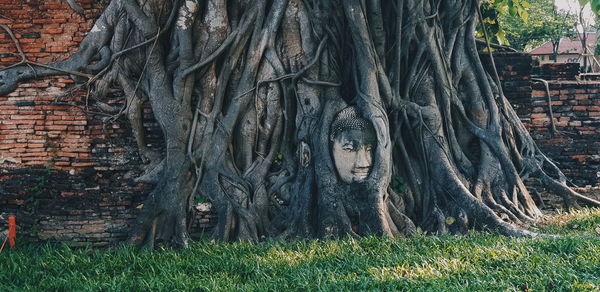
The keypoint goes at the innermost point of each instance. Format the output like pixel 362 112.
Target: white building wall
pixel 573 58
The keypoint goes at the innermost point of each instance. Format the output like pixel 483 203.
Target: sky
pixel 573 7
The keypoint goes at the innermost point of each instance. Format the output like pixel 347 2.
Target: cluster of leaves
pixel 527 24
pixel 595 4
pixel 545 23
pixel 398 184
pixel 492 12
pixel 41 183
pixel 478 262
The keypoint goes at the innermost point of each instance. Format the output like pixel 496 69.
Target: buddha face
pixel 352 154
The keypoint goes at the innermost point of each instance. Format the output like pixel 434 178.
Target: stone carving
pixel 352 141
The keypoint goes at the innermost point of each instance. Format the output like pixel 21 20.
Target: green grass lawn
pixel 478 262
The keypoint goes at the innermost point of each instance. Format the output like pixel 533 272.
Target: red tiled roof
pixel 566 46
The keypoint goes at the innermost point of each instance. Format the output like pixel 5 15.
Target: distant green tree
pixel 583 27
pixel 595 4
pixel 544 22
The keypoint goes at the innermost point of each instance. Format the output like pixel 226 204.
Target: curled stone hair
pixel 348 119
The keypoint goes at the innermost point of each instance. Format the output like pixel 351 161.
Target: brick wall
pixel 48 31
pixel 560 71
pixel 575 146
pixel 34 125
pixel 514 70
pixel 65 172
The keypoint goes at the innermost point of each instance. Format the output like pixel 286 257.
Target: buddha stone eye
pixel 348 147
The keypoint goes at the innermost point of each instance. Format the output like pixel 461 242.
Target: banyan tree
pixel 292 117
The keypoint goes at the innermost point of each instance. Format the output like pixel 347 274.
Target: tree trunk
pixel 292 117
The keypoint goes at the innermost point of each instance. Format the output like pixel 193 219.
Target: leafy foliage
pixel 479 262
pixel 398 184
pixel 595 4
pixel 531 24
pixel 545 23
pixel 492 11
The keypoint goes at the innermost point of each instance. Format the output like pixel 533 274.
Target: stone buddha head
pixel 352 142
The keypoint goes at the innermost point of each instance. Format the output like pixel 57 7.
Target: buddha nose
pixel 363 158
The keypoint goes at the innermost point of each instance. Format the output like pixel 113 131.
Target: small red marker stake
pixel 12 231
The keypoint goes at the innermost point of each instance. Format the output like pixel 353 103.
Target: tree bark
pixel 246 92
